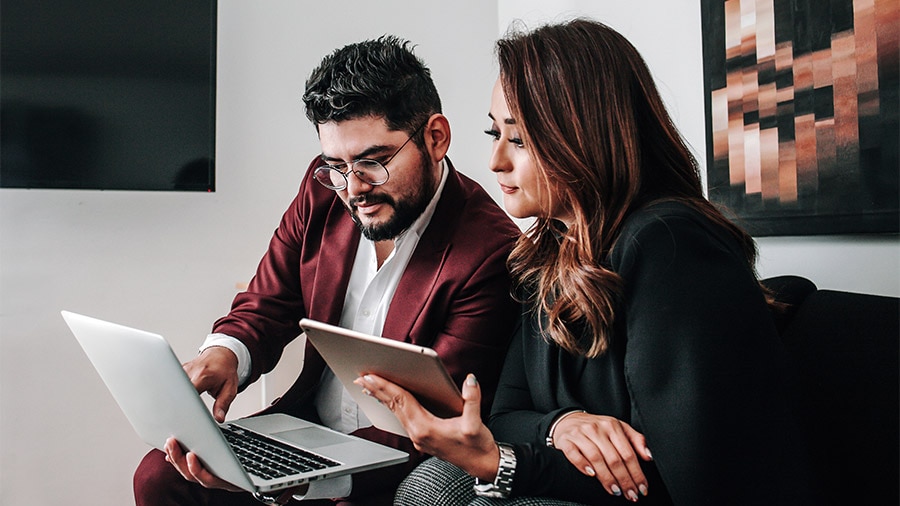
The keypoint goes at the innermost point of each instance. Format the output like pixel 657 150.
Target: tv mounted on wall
pixel 108 94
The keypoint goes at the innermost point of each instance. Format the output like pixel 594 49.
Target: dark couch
pixel 845 350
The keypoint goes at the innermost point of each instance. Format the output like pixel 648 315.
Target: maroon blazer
pixel 454 295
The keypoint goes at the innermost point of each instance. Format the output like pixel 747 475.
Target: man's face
pixel 381 212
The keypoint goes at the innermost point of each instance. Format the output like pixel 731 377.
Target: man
pixel 384 237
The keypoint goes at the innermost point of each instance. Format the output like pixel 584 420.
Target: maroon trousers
pixel 157 483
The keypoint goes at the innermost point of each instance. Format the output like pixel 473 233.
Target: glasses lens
pixel 330 178
pixel 370 171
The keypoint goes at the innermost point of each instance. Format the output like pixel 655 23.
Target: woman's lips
pixel 507 189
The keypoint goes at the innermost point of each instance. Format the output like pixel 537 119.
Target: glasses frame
pixel 351 164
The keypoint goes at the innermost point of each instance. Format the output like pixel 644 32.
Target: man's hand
pixel 215 371
pixel 189 465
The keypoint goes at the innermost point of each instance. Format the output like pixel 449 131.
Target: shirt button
pixel 366 313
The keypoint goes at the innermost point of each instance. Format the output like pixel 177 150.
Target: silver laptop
pixel 149 384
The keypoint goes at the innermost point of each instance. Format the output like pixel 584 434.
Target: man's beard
pixel 406 211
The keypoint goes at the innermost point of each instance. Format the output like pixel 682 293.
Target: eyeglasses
pixel 368 171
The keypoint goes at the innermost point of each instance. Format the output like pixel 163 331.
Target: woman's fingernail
pixel 616 490
pixel 471 381
pixel 649 455
pixel 643 490
pixel 367 392
pixel 632 496
pixel 590 471
pixel 367 378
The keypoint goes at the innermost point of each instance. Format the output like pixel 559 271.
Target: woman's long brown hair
pixel 592 117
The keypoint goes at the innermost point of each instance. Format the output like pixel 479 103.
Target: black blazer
pixel 695 364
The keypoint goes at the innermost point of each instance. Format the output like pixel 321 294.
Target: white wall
pixel 169 262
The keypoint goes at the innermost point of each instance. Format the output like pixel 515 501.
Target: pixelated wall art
pixel 802 114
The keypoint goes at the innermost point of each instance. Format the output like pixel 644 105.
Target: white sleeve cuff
pixel 328 489
pixel 241 351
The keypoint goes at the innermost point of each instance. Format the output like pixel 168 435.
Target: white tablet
pixel 419 370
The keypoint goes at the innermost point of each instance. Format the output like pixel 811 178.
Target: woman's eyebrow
pixel 507 121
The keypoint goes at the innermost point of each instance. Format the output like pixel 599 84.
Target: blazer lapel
pixel 424 268
pixel 334 265
pixel 330 272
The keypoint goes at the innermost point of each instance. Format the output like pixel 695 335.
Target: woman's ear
pixel 437 136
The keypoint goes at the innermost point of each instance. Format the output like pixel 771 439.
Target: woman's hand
pixel 604 447
pixel 463 441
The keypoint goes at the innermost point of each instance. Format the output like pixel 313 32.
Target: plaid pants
pixel 438 483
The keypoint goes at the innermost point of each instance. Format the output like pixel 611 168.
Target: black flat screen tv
pixel 108 94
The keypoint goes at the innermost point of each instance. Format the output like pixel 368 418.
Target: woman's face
pixel 524 192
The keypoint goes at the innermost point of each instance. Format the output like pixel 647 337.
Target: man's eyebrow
pixel 368 152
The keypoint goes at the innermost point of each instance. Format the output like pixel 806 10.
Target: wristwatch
pixel 502 485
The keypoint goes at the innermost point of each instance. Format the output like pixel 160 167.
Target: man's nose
pixel 355 185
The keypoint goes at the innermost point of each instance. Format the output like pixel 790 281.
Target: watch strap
pixel 502 485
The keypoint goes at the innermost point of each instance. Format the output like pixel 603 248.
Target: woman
pixel 645 326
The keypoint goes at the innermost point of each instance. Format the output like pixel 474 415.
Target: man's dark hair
pixel 380 77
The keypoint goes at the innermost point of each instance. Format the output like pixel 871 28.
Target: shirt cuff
pixel 241 351
pixel 328 489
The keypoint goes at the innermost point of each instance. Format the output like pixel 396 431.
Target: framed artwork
pixel 802 114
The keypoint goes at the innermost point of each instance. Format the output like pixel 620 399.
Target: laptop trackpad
pixel 311 437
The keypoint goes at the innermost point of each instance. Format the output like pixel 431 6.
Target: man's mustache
pixel 371 199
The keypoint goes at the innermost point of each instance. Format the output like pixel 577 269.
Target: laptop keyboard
pixel 270 459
